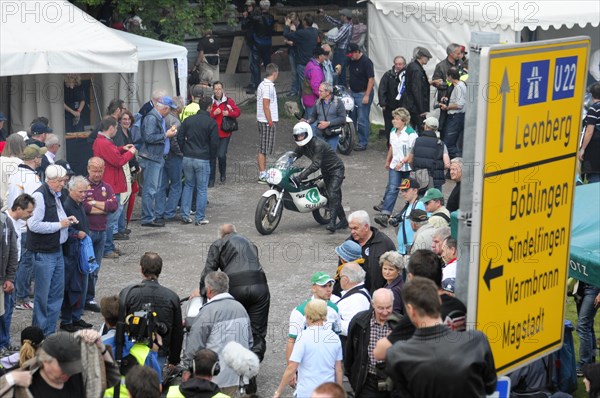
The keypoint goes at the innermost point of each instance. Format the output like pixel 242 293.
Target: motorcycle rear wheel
pixel 322 215
pixel 264 221
pixel 347 139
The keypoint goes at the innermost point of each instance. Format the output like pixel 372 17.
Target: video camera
pixel 142 325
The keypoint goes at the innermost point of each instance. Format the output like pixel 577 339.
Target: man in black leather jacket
pixel 237 256
pixel 332 170
pixel 461 363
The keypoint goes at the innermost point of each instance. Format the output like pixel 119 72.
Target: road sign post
pixel 531 102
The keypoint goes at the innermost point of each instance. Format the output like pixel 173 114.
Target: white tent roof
pixel 150 49
pixel 507 14
pixel 57 37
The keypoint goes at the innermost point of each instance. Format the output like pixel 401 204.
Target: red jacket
pixel 114 158
pixel 233 109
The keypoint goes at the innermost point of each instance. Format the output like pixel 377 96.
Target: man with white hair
pixel 355 298
pixel 48 230
pixel 53 145
pixel 156 95
pixel 373 243
pixel 155 145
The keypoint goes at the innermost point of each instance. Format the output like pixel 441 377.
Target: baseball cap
pixel 168 101
pixel 65 165
pixel 31 152
pixel 418 215
pixel 432 122
pixel 2 117
pixel 349 251
pixel 40 128
pixel 55 171
pixel 346 12
pixel 250 2
pixel 409 183
pixel 66 349
pixel 321 278
pixel 352 48
pixel 432 193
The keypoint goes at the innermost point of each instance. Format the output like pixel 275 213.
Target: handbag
pixel 423 178
pixel 229 124
pixel 87 258
pixel 330 131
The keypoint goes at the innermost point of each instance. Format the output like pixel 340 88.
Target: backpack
pixel 87 258
pixel 136 129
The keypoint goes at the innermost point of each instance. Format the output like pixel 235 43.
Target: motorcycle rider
pixel 332 170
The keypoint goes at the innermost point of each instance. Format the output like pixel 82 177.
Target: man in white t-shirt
pixel 267 116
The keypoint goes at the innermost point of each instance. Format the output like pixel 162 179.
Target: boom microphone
pixel 243 361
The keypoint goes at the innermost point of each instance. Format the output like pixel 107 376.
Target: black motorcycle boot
pixel 343 224
pixel 331 227
pixel 222 170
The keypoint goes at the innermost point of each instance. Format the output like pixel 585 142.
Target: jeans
pixel 122 223
pixel 5 320
pixel 362 117
pixel 152 172
pixel 332 141
pixel 295 88
pixel 221 157
pixel 98 238
pixel 24 272
pixel 49 271
pixel 453 130
pixel 196 172
pixel 112 226
pixel 391 191
pixel 300 76
pixel 170 180
pixel 257 54
pixel 340 58
pixel 585 325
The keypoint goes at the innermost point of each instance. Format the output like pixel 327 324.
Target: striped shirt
pixel 342 39
pixel 266 90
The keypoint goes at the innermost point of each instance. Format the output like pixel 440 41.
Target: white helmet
pixel 302 128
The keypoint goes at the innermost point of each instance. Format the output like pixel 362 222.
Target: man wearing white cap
pixel 48 230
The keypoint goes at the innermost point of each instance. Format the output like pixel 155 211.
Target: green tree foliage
pixel 168 20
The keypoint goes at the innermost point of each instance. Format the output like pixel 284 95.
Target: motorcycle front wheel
pixel 264 220
pixel 322 215
pixel 347 139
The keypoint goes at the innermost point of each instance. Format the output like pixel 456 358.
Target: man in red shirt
pixel 114 158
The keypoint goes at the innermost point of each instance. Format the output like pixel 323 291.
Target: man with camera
pixel 365 329
pixel 330 115
pixel 164 302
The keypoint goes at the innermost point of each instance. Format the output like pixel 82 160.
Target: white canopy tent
pixel 397 27
pixel 41 41
pixel 161 64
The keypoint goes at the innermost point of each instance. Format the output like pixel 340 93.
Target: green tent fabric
pixel 584 262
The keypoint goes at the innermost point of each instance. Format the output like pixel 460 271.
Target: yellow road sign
pixel 533 108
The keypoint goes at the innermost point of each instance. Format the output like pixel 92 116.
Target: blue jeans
pixel 391 191
pixel 361 118
pixel 221 157
pixel 49 271
pixel 170 179
pixel 5 320
pixel 98 238
pixel 152 171
pixel 196 172
pixel 257 54
pixel 295 84
pixel 453 130
pixel 332 141
pixel 122 223
pixel 585 325
pixel 112 226
pixel 300 76
pixel 24 272
pixel 340 58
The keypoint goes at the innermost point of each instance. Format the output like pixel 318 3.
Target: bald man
pixel 237 256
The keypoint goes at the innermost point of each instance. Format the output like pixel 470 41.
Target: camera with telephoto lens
pixel 443 100
pixel 394 221
pixel 143 324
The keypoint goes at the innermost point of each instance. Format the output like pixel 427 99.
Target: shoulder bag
pixel 229 124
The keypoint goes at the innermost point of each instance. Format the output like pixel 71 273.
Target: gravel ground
pixel 298 248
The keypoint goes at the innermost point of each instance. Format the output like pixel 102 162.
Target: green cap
pixel 432 193
pixel 321 279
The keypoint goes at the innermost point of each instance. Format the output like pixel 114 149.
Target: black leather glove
pixel 295 181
